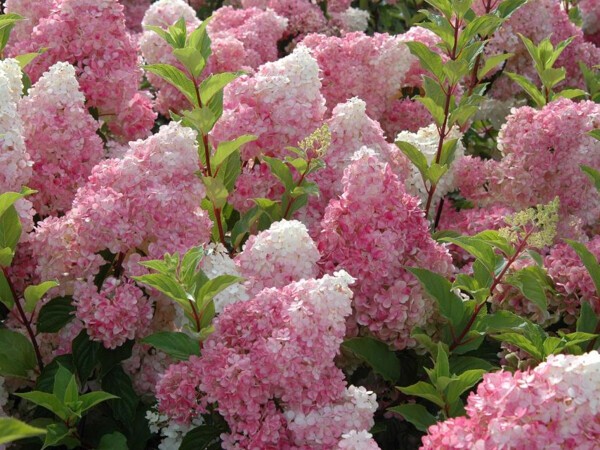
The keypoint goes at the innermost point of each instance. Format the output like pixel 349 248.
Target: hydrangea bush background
pixel 299 224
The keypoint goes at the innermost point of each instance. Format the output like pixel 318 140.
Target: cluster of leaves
pixel 463 36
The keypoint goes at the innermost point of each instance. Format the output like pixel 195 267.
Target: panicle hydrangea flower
pixel 414 75
pixel 122 208
pixel 281 365
pixel 537 20
pixel 556 403
pixel 372 68
pixel 91 35
pixel 351 19
pixel 258 30
pixel 350 129
pixel 277 256
pixel 134 11
pixel 177 391
pixel 61 138
pixel 14 159
pixel 375 230
pixel 217 262
pixel 571 279
pixel 116 313
pixel 32 10
pixel 405 115
pixel 540 162
pixel 426 140
pixel 281 104
pixel 590 12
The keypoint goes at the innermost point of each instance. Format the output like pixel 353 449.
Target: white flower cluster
pixel 172 432
pixel 14 160
pixel 426 140
pixel 353 19
pixel 217 262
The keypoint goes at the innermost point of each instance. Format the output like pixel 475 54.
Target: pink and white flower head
pixel 61 138
pixel 427 140
pixel 116 313
pixel 557 402
pixel 282 367
pixel 374 230
pixel 33 11
pixel 277 256
pixel 372 68
pixel 541 161
pixel 281 104
pixel 92 36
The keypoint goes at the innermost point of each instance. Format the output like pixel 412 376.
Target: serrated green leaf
pixel 377 355
pixel 165 284
pixel 462 383
pixel 216 83
pixel 592 174
pixel 523 343
pixel 203 437
pixel 17 357
pixel 529 281
pixel 589 261
pixel 191 59
pixel 416 414
pixel 491 63
pixel 175 344
pixel 33 294
pixel 414 155
pixel 177 78
pixel 227 148
pixel 281 171
pixel 529 88
pixel 430 60
pixel 215 191
pixel 10 228
pixel 55 314
pixel 436 172
pixel 92 399
pixel 6 295
pixel 423 390
pixel 12 430
pixel 48 401
pixel 213 287
pixel 587 320
pixel 450 305
pixel 571 93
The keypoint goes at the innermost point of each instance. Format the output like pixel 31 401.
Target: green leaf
pixel 118 383
pixel 416 414
pixel 65 385
pixel 165 284
pixel 531 282
pixel 430 60
pixel 215 191
pixel 191 59
pixel 92 399
pixel 162 33
pixel 595 133
pixel 59 434
pixel 462 383
pixel 17 357
pixel 281 171
pixel 448 151
pixel 55 314
pixel 12 430
pixel 436 172
pixel 571 93
pixel 26 58
pixel 7 22
pixel 204 437
pixel 6 256
pixel 85 353
pixel 226 149
pixel 434 109
pixel 33 294
pixel 414 155
pixel 479 248
pixel 589 261
pixel 442 366
pixel 177 78
pixel 528 87
pixel 215 83
pixel 6 296
pixel 10 228
pixel 523 343
pixel 450 305
pixel 213 287
pixel 587 320
pixel 230 170
pixel 592 174
pixel 113 441
pixel 508 7
pixel 501 320
pixel 424 390
pixel 200 40
pixel 491 63
pixel 460 364
pixel 175 344
pixel 377 355
pixel 48 401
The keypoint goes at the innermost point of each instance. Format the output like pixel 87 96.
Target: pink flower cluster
pixel 590 12
pixel 91 35
pixel 32 10
pixel 571 278
pixel 116 313
pixel 148 200
pixel 554 406
pixel 277 256
pixel 288 392
pixel 375 230
pixel 281 104
pixel 541 161
pixel 61 138
pixel 356 65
